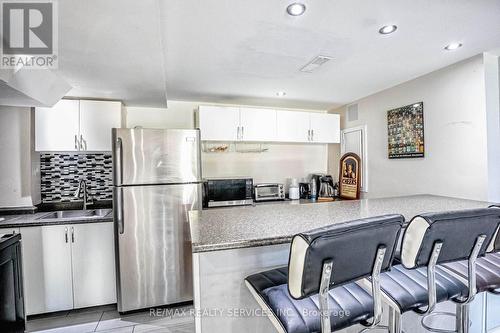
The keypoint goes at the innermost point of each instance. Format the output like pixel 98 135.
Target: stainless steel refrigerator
pixel 156 182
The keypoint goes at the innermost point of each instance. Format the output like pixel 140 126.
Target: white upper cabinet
pixel 325 128
pixel 57 128
pixel 292 126
pixel 97 118
pixel 219 123
pixel 257 124
pixel 76 125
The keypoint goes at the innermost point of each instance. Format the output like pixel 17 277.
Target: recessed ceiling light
pixel 453 46
pixel 387 29
pixel 281 94
pixel 296 9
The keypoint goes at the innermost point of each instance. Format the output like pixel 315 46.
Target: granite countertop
pixel 260 225
pixel 32 220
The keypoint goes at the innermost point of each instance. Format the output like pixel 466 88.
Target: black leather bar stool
pixel 318 292
pixel 419 283
pixel 487 268
pixel 487 271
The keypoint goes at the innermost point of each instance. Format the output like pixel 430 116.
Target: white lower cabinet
pixel 93 251
pixel 68 266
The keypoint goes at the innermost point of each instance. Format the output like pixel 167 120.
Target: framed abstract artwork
pixel 405 127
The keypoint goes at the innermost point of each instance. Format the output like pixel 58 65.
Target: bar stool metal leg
pixel 323 297
pixel 462 313
pixel 395 321
pixel 463 322
pixel 376 293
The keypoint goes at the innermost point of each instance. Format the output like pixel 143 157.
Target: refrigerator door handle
pixel 119 160
pixel 119 210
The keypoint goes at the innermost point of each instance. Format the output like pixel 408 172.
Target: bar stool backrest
pixel 458 232
pixel 351 247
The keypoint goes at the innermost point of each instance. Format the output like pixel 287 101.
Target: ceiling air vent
pixel 314 64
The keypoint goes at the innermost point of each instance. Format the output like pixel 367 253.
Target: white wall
pixel 281 162
pixel 20 168
pixel 492 85
pixel 455 162
pixel 178 115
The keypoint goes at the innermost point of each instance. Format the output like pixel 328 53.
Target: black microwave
pixel 221 192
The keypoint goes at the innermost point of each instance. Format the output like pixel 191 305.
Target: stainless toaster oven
pixel 267 192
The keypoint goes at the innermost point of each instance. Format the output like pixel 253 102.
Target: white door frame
pixel 364 147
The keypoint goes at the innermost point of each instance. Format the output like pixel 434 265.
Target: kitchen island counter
pixel 261 225
pixel 230 244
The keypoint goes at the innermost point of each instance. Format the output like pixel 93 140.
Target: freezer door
pixel 154 245
pixel 155 156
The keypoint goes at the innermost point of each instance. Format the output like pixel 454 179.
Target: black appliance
pixel 304 190
pixel 12 316
pixel 316 179
pixel 326 187
pixel 221 192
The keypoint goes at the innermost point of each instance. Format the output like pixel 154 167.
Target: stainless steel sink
pixel 76 214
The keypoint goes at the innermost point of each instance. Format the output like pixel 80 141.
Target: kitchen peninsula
pixel 231 243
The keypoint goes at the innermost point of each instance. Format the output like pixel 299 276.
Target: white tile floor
pixel 107 320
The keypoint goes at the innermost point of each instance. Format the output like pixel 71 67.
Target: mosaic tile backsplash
pixel 61 172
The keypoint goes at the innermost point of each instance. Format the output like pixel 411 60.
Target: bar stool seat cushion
pixel 487 271
pixel 407 288
pixel 349 304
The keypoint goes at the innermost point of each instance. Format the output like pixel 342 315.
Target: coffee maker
pixel 324 185
pixel 305 190
pixel 315 184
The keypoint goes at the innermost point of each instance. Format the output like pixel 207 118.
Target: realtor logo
pixel 28 34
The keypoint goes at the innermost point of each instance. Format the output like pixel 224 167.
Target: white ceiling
pixel 241 51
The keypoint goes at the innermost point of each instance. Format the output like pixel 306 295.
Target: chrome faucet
pixel 82 187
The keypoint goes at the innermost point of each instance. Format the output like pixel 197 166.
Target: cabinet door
pixel 97 118
pixel 56 128
pixel 219 123
pixel 292 126
pixel 46 254
pixel 258 124
pixel 93 251
pixel 325 128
